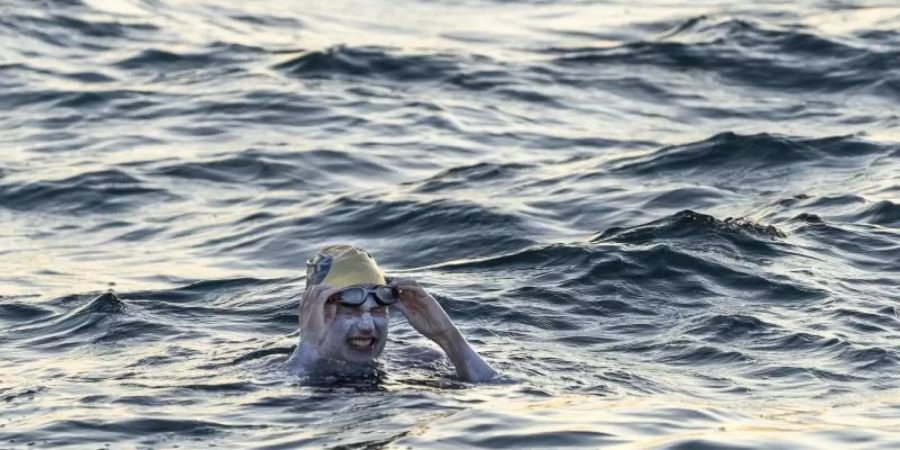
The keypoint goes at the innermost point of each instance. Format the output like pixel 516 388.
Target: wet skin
pixel 329 330
pixel 355 334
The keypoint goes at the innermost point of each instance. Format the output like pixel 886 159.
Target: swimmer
pixel 344 315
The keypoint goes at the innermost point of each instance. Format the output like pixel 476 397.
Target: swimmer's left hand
pixel 422 311
pixel 427 316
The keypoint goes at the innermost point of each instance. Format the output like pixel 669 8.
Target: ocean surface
pixel 669 224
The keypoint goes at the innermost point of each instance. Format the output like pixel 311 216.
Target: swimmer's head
pixel 343 266
pixel 353 333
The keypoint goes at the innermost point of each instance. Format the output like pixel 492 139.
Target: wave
pixel 89 322
pixel 746 52
pixel 215 55
pixel 76 99
pixel 872 358
pixel 862 246
pixel 66 30
pixel 687 198
pixel 690 224
pixel 475 229
pixel 466 72
pixel 265 306
pixel 703 355
pixel 869 322
pixel 843 208
pixel 686 255
pixel 73 431
pixel 468 177
pixel 12 310
pixel 371 62
pixel 733 327
pixel 102 191
pixel 158 315
pixel 885 213
pixel 416 231
pixel 273 170
pixel 748 158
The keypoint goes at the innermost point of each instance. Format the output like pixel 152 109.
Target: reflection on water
pixel 668 225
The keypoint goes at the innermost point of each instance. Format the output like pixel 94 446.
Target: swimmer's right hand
pixel 316 313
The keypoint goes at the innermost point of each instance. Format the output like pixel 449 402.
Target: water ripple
pixel 667 226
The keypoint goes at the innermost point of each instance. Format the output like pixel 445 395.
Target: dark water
pixel 669 224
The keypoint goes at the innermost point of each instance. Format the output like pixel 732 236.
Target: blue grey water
pixel 669 224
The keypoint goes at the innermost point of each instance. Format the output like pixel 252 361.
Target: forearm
pixel 468 363
pixel 304 357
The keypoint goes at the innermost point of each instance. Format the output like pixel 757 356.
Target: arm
pixel 303 358
pixel 427 316
pixel 469 364
pixel 315 313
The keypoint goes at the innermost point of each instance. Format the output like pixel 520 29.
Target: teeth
pixel 361 342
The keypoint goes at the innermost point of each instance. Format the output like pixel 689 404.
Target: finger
pixel 312 292
pixel 330 312
pixel 394 280
pixel 403 282
pixel 327 294
pixel 324 288
pixel 319 293
pixel 401 306
pixel 409 289
pixel 313 301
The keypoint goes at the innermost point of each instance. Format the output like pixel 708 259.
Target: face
pixel 355 334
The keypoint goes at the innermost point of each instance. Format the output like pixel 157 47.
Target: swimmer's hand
pixel 422 310
pixel 315 315
pixel 427 316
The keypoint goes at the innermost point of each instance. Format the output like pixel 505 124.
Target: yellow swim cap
pixel 341 266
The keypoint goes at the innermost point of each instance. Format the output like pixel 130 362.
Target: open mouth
pixel 362 343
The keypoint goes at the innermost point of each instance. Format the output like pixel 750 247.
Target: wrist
pixel 308 350
pixel 304 357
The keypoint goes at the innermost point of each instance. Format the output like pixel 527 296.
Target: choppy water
pixel 669 224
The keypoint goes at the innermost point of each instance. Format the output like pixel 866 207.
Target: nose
pixel 366 325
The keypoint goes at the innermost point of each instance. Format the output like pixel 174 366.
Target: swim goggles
pixel 356 296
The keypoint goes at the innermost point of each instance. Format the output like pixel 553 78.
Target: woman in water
pixel 344 315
